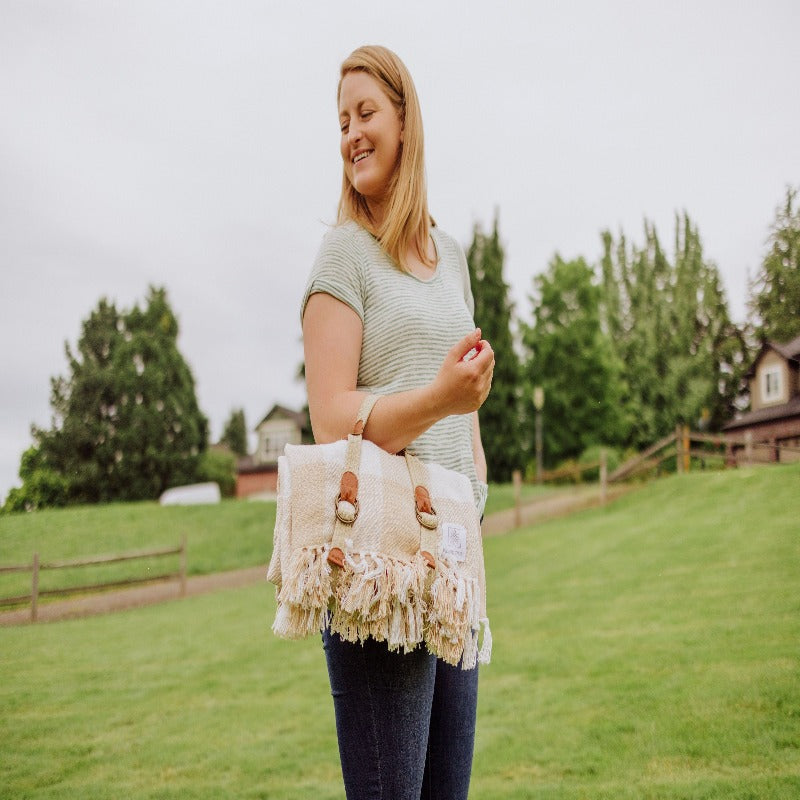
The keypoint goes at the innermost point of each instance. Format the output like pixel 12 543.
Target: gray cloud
pixel 195 146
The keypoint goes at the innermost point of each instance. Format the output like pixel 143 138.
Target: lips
pixel 361 155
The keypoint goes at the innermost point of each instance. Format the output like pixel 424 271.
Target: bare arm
pixel 332 334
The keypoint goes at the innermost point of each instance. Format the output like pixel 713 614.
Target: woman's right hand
pixel 332 334
pixel 465 376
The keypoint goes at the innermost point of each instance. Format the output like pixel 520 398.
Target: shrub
pixel 219 467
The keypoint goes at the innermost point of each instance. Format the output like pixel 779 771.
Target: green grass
pixel 646 650
pixel 220 537
pixel 501 495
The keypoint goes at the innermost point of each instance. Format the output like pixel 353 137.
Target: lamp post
pixel 538 404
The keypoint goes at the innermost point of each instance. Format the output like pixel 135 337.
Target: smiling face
pixel 372 135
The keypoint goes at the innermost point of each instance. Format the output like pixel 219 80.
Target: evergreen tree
pixel 708 352
pixel 499 415
pixel 234 433
pixel 683 357
pixel 570 356
pixel 125 423
pixel 635 311
pixel 775 295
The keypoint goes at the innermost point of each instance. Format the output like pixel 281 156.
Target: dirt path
pixel 550 507
pixel 133 597
pixel 103 602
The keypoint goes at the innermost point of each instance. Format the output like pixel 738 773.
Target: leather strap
pixel 346 504
pixel 426 514
pixel 367 404
pixel 347 500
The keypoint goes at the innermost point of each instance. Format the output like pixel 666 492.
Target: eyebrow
pixel 361 103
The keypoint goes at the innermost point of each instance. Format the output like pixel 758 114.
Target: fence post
pixel 687 450
pixel 603 476
pixel 748 448
pixel 183 566
pixel 516 476
pixel 678 449
pixel 35 589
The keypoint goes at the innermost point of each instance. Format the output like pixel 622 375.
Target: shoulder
pixel 450 250
pixel 339 267
pixel 453 262
pixel 346 238
pixel 447 244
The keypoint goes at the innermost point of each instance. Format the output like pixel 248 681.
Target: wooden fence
pixel 573 471
pixel 678 445
pixel 37 566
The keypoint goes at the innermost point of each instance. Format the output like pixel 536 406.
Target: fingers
pixel 480 370
pixel 484 353
pixel 461 349
pixel 465 377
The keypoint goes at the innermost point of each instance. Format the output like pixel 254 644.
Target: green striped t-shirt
pixel 409 326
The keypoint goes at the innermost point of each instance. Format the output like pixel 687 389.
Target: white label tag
pixel 454 541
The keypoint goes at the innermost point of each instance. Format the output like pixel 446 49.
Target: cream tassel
pixel 485 654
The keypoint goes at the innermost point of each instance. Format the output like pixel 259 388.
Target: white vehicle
pixel 194 495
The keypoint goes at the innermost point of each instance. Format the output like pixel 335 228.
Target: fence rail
pixel 36 566
pixel 677 445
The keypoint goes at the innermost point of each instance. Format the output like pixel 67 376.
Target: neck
pixel 377 210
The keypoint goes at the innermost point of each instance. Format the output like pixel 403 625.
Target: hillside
pixel 645 650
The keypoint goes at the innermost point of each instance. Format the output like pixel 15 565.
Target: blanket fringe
pixel 393 601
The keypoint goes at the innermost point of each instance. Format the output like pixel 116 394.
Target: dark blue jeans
pixel 405 723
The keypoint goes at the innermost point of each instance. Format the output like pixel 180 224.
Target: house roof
pixel 788 350
pixel 300 418
pixel 248 465
pixel 767 414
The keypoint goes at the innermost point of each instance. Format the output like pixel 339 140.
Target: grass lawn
pixel 230 535
pixel 220 537
pixel 646 650
pixel 501 495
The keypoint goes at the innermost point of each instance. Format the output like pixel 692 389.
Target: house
pixel 774 419
pixel 257 474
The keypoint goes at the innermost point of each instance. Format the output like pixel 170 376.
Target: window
pixel 771 384
pixel 274 440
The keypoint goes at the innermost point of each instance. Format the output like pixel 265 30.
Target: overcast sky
pixel 195 145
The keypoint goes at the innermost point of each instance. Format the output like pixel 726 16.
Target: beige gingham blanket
pixel 385 590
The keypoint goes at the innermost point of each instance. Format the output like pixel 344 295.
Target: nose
pixel 354 132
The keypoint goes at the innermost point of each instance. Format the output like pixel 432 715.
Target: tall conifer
pixel 775 295
pixel 126 424
pixel 499 415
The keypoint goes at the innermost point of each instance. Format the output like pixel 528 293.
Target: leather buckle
pixel 427 520
pixel 344 520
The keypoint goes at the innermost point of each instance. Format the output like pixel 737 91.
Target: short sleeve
pixel 338 270
pixel 457 257
pixel 468 298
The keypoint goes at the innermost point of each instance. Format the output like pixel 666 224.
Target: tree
pixel 571 358
pixel 41 487
pixel 775 294
pixel 669 323
pixel 636 316
pixel 499 415
pixel 126 424
pixel 708 352
pixel 234 433
pixel 218 466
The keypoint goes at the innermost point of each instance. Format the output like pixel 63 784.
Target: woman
pixel 388 311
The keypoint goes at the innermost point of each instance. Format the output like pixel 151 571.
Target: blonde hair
pixel 406 222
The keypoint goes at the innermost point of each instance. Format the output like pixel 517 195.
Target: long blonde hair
pixel 406 222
